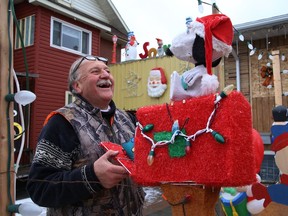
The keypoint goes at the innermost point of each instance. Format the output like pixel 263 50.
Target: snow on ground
pixel 153 195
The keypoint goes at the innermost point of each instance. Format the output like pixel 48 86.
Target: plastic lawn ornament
pixel 131 47
pixel 160 49
pixel 152 52
pixel 275 197
pixel 234 200
pixel 157 82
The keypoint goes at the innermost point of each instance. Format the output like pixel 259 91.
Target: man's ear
pixel 77 87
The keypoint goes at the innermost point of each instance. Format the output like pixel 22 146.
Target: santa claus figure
pixel 157 82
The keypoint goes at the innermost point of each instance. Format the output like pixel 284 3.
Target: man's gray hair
pixel 73 75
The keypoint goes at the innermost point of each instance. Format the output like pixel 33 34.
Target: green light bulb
pixel 218 137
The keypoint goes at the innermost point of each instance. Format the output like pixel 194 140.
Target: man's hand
pixel 108 173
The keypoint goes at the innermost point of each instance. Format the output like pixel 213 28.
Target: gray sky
pixel 165 19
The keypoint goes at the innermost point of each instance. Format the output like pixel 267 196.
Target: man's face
pixel 95 83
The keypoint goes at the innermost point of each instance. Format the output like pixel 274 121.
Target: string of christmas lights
pixel 177 132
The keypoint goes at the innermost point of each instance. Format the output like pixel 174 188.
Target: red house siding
pixel 106 50
pixel 51 64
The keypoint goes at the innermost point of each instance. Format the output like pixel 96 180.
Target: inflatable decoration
pixel 131 47
pixel 157 82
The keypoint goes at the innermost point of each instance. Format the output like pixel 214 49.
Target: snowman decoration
pixel 131 47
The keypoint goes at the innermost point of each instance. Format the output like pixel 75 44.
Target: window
pixel 69 98
pixel 69 37
pixel 269 171
pixel 27 27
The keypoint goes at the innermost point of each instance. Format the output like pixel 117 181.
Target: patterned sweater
pixel 62 176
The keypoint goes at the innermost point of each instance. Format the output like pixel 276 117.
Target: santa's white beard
pixel 157 91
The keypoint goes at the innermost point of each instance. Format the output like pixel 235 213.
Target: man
pixel 71 174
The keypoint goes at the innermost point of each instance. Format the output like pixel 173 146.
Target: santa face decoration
pixel 157 82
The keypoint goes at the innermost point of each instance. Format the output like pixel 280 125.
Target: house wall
pixel 51 64
pixel 131 79
pixel 261 98
pixel 90 8
pixel 230 71
pixel 106 50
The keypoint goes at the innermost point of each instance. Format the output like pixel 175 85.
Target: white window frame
pixel 73 27
pixel 69 97
pixel 27 32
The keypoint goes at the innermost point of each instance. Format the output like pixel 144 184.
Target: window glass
pixel 32 29
pixel 27 28
pixel 69 37
pixel 57 33
pixel 69 98
pixel 85 43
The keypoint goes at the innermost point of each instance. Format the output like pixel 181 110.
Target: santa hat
pixel 159 40
pixel 217 31
pixel 159 71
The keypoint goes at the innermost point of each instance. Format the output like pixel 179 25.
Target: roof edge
pixel 262 23
pixel 69 13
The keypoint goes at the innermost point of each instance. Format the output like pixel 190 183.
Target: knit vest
pixel 126 198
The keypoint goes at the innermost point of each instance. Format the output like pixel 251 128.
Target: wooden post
pixel 5 171
pixel 277 77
